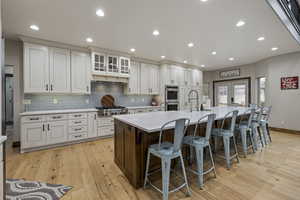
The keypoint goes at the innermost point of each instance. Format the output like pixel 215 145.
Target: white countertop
pixel 142 107
pixel 2 139
pixel 43 112
pixel 152 122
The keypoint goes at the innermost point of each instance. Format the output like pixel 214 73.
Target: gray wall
pixel 285 103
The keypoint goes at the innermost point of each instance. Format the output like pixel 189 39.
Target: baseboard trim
pixel 284 130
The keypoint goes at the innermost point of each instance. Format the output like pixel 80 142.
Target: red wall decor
pixel 288 83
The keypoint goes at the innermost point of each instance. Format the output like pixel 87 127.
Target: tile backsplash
pixel 98 89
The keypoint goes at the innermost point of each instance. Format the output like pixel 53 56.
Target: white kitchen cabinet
pixel 36 69
pixel 80 73
pixel 60 71
pixel 57 132
pixel 92 125
pixel 133 86
pixel 172 70
pixel 188 77
pixel 124 66
pixel 112 64
pixel 149 81
pixel 154 80
pixel 33 135
pixel 98 63
pixel 197 77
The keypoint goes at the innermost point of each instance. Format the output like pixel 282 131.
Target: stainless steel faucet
pixel 191 98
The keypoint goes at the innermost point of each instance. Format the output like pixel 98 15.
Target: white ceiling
pixel 130 23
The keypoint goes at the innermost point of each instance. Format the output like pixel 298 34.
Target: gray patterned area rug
pixel 18 189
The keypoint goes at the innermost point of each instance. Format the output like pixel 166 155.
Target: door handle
pixel 51 87
pixel 48 127
pixel 47 87
pixel 232 100
pixel 43 127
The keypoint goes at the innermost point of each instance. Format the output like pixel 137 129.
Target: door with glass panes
pixel 232 93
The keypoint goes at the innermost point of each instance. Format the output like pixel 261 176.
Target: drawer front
pixel 105 131
pixel 77 129
pixel 77 136
pixel 78 122
pixel 78 116
pixel 106 121
pixel 33 119
pixel 57 117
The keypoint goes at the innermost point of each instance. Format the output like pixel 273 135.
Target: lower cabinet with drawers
pixel 47 130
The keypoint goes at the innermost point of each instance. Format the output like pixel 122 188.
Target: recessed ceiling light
pixel 132 49
pixel 240 23
pixel 274 49
pixel 163 57
pixel 184 61
pixel 204 0
pixel 261 39
pixel 89 40
pixel 214 53
pixel 231 59
pixel 202 65
pixel 190 44
pixel 155 33
pixel 34 27
pixel 100 13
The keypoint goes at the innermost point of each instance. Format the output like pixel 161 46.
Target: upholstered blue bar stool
pixel 264 124
pixel 167 152
pixel 227 134
pixel 199 144
pixel 245 130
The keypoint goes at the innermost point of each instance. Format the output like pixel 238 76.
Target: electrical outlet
pixel 27 101
pixel 55 101
pixel 87 101
pixel 143 100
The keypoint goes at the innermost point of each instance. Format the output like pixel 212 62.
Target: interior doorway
pixel 234 92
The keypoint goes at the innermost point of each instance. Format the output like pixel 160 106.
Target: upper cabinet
pixel 36 69
pixel 60 70
pixel 133 86
pixel 80 73
pixel 110 65
pixel 53 70
pixel 197 78
pixel 149 79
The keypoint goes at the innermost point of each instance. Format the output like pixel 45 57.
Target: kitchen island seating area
pixel 136 138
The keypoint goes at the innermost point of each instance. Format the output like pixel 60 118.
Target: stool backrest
pixel 179 132
pixel 266 111
pixel 209 124
pixel 251 117
pixel 233 115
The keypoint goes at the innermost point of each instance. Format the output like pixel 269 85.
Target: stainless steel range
pixel 110 111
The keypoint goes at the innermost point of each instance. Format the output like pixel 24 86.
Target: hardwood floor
pixel 273 173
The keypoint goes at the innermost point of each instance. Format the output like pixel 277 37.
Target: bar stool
pixel 264 123
pixel 227 134
pixel 199 143
pixel 168 151
pixel 255 126
pixel 244 129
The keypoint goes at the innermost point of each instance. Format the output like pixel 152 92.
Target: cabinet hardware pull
pixel 87 88
pixel 51 87
pixel 35 118
pixel 77 136
pixel 43 127
pixel 77 115
pixel 47 87
pixel 48 127
pixel 56 117
pixel 95 117
pixel 77 122
pixel 77 129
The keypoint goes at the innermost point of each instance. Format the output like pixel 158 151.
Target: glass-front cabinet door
pixel 124 66
pixel 99 63
pixel 112 64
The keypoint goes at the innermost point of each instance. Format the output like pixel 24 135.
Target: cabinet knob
pixel 47 87
pixel 51 87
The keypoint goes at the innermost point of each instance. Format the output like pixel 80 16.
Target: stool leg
pixel 243 132
pixel 260 137
pixel 166 167
pixel 226 141
pixel 199 157
pixel 252 140
pixel 254 136
pixel 268 129
pixel 184 175
pixel 212 160
pixel 264 131
pixel 236 151
pixel 191 157
pixel 147 169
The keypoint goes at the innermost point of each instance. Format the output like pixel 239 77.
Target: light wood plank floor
pixel 270 174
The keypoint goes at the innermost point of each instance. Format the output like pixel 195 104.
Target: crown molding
pixel 49 43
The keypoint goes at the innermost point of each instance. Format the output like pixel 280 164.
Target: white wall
pixel 285 103
pixel 13 56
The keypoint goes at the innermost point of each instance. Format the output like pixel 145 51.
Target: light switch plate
pixel 55 101
pixel 26 101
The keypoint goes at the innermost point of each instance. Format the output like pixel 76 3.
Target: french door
pixel 232 93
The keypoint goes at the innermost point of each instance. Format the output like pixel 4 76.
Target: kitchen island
pixel 135 133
